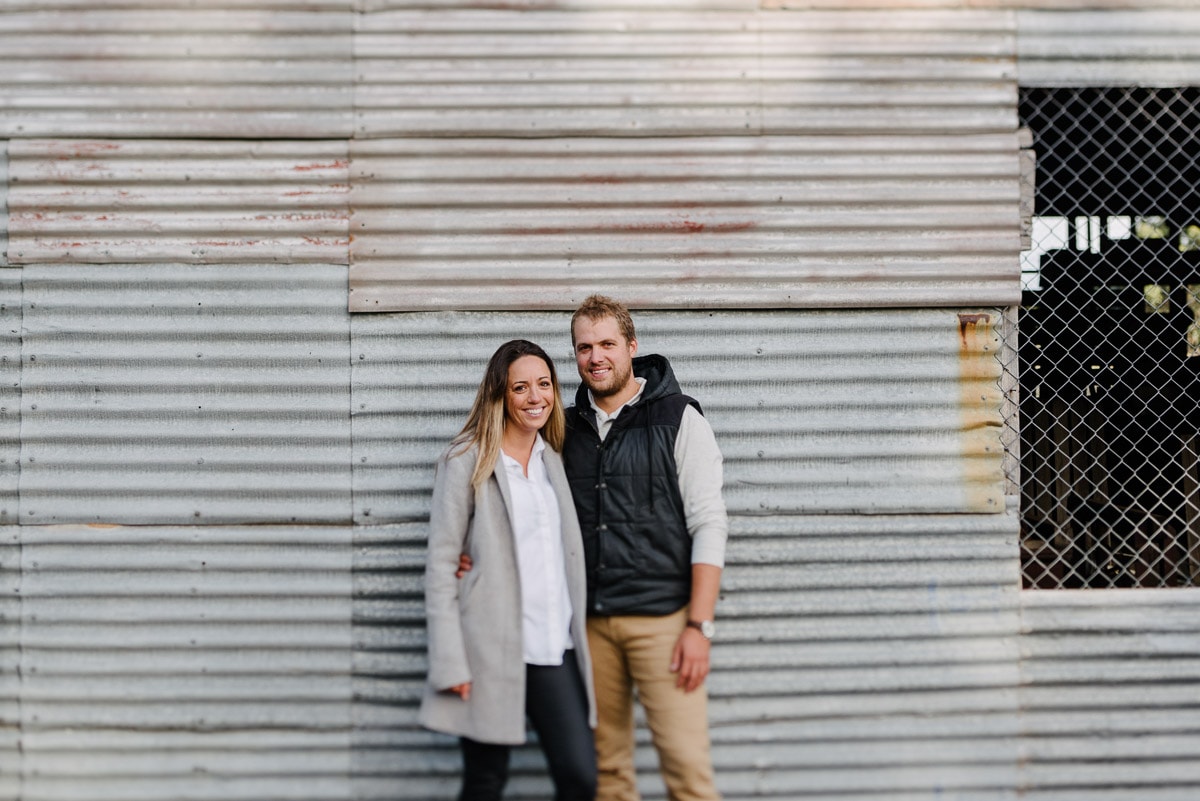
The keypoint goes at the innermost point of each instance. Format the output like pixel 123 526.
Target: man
pixel 646 477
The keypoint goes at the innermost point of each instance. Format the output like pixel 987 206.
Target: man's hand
pixel 464 566
pixel 690 659
pixel 463 690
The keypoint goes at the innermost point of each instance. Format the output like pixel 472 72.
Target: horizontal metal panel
pixel 891 668
pixel 126 201
pixel 1110 683
pixel 1118 47
pixel 692 223
pixel 262 71
pixel 3 203
pixel 10 393
pixel 189 662
pixel 832 411
pixel 185 394
pixel 686 69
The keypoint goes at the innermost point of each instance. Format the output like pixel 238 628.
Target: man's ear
pixel 633 347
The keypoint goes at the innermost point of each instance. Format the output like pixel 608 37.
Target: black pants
pixel 556 704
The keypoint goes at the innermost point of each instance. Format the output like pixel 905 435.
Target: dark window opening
pixel 1110 340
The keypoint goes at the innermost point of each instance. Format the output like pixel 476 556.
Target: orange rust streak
pixel 966 321
pixel 340 164
pixel 681 227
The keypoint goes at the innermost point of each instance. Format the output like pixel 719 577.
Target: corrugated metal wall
pixel 185 394
pixel 221 476
pixel 1144 47
pixel 108 201
pixel 860 654
pixel 191 68
pixel 1110 685
pixel 185 662
pixel 769 159
pixel 768 221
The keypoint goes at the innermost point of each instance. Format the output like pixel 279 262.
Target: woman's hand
pixel 463 690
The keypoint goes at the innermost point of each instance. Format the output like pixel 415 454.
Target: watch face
pixel 708 628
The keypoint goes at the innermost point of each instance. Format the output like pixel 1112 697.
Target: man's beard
pixel 617 381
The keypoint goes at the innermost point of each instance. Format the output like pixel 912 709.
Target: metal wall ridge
pixel 1108 46
pixel 549 71
pixel 760 222
pixel 240 413
pixel 113 201
pixel 1109 683
pixel 216 69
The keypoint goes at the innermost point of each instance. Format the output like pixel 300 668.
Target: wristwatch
pixel 707 627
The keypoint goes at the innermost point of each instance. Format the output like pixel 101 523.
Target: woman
pixel 509 639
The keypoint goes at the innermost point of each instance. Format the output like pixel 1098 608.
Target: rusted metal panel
pixel 1110 682
pixel 1117 47
pixel 3 203
pixel 185 662
pixel 185 394
pixel 857 656
pixel 698 222
pixel 196 69
pixel 654 70
pixel 816 412
pixel 147 201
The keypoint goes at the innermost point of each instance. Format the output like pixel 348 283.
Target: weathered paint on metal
pixel 1122 46
pixel 10 393
pixel 856 654
pixel 165 201
pixel 3 203
pixel 185 662
pixel 982 400
pixel 726 222
pixel 682 71
pixel 820 412
pixel 185 394
pixel 1110 685
pixel 192 70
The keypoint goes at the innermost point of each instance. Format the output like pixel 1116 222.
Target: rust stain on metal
pixel 64 150
pixel 979 413
pixel 972 322
pixel 680 227
pixel 339 164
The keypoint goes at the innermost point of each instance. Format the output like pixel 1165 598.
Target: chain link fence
pixel 1110 340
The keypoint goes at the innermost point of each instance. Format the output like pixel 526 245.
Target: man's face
pixel 603 355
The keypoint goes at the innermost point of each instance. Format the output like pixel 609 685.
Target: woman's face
pixel 529 398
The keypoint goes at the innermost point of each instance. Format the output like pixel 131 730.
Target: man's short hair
pixel 597 307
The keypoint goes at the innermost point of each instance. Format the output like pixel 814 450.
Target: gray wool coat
pixel 474 623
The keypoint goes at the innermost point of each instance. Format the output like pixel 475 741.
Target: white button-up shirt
pixel 537 525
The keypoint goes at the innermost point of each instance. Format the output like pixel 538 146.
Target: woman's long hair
pixel 485 424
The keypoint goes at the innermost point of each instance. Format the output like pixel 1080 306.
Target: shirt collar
pixel 539 445
pixel 603 415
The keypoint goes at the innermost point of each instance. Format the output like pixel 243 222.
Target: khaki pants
pixel 633 650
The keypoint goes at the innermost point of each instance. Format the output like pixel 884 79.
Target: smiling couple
pixel 575 555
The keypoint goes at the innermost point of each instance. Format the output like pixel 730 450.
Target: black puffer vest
pixel 626 490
